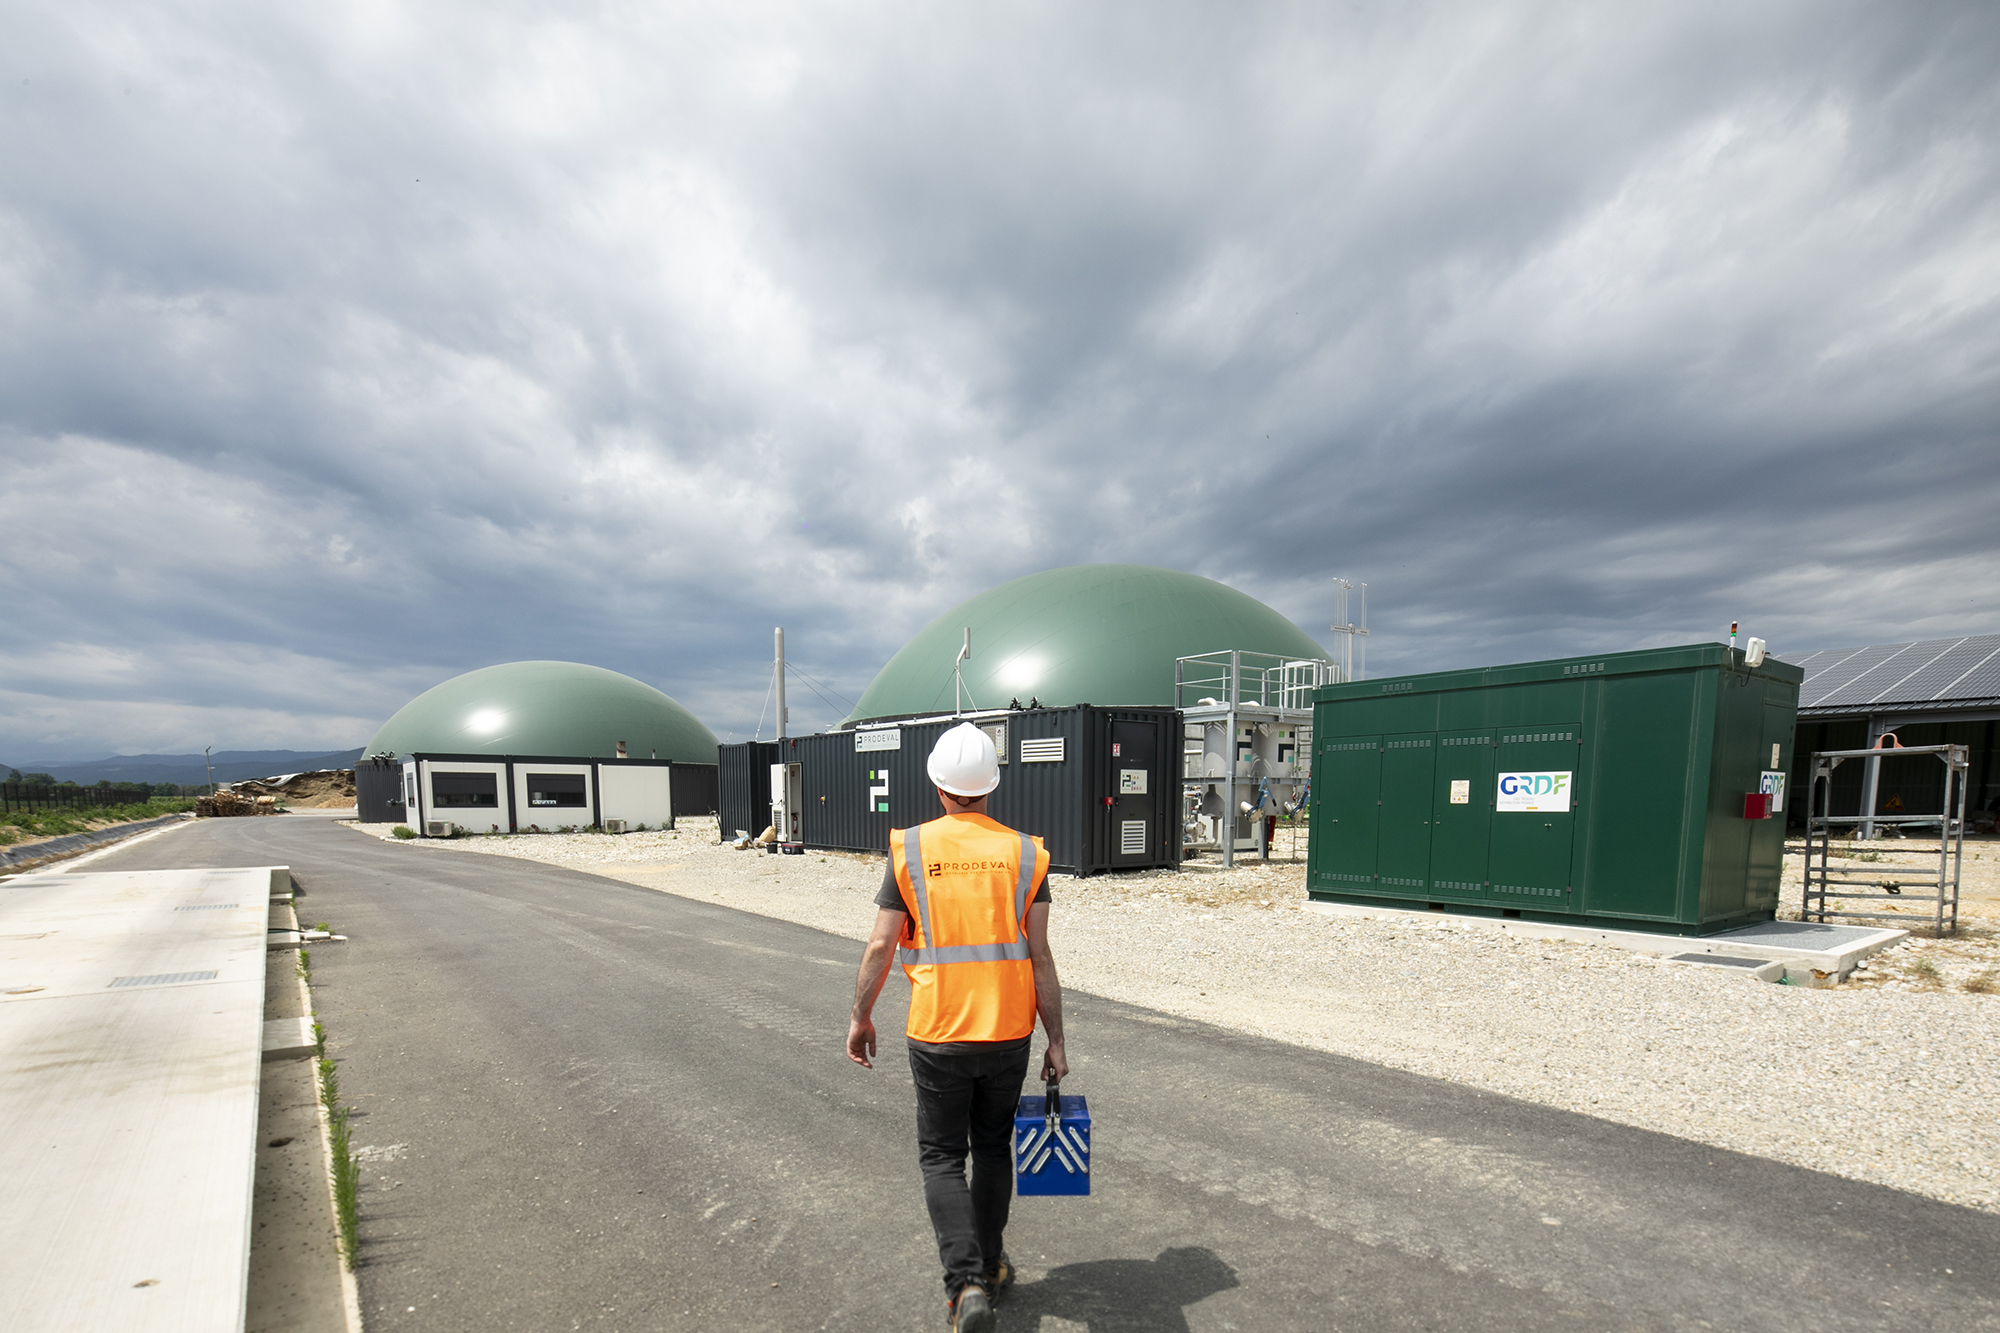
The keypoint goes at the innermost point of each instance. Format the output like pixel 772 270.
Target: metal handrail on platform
pixel 1824 880
pixel 1232 686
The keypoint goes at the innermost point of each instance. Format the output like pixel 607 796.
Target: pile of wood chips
pixel 324 789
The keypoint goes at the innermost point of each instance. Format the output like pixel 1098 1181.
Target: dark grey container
pixel 1095 808
pixel 694 789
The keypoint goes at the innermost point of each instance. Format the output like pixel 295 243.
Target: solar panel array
pixel 1900 674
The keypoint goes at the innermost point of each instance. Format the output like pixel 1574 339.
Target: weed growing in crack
pixel 346 1166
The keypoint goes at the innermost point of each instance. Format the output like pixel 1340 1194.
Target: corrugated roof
pixel 1902 675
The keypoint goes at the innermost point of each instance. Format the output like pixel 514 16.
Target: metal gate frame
pixel 1823 880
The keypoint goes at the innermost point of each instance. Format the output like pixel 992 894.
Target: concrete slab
pixel 288 1039
pixel 131 1015
pixel 1757 969
pixel 1819 954
pixel 286 938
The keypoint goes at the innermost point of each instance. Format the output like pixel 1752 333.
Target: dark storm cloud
pixel 343 351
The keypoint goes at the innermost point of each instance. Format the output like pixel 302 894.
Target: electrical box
pixel 787 801
pixel 1608 789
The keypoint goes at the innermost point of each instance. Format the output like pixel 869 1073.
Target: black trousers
pixel 965 1103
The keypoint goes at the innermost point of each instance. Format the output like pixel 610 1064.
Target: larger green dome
pixel 1098 634
pixel 545 708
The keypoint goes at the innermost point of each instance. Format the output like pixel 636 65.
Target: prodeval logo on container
pixel 1534 791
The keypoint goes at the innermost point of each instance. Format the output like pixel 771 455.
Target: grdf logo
pixel 1534 791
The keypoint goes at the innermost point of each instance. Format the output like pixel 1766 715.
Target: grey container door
pixel 1534 814
pixel 1403 843
pixel 1347 809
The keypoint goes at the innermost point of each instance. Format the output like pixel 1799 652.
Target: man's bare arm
pixel 1048 992
pixel 875 960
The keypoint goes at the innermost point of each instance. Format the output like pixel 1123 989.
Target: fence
pixel 37 796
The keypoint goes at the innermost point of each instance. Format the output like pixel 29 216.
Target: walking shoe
pixel 998 1278
pixel 971 1312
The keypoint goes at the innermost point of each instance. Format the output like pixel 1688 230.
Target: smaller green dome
pixel 546 708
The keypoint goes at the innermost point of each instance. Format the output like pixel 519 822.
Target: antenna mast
pixel 958 675
pixel 1353 628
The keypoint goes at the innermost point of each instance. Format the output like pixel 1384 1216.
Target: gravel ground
pixel 1968 960
pixel 1892 1078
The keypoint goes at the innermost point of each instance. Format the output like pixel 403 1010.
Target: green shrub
pixel 404 831
pixel 76 819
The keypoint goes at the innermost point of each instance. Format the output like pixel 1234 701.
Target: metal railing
pixel 1824 881
pixel 1234 678
pixel 1220 690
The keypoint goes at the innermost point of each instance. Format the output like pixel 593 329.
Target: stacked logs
pixel 225 804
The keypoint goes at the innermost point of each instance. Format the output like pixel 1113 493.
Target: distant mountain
pixel 188 769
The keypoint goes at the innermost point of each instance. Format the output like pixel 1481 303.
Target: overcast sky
pixel 347 347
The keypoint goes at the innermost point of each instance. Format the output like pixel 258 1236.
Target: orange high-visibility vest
pixel 966 947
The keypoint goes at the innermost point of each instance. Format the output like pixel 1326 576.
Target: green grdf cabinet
pixel 1616 790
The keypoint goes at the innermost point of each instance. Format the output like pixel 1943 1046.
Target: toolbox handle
pixel 1053 1108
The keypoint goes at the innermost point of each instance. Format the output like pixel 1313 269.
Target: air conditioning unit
pixel 614 826
pixel 439 828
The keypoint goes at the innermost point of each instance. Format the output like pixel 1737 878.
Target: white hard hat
pixel 964 763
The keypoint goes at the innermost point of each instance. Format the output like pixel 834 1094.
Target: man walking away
pixel 965 908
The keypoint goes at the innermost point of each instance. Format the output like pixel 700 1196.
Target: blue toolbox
pixel 1052 1144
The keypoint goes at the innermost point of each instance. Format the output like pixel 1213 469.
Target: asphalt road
pixel 608 1108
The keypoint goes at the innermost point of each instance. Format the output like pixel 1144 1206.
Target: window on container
pixel 556 789
pixel 465 791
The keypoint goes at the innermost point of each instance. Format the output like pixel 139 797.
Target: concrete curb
pixel 55 849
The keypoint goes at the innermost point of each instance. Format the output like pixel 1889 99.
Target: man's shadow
pixel 1117 1295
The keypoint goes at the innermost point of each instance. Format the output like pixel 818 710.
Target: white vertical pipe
pixel 778 666
pixel 958 674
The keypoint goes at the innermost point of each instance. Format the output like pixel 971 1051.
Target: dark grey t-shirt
pixel 891 897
